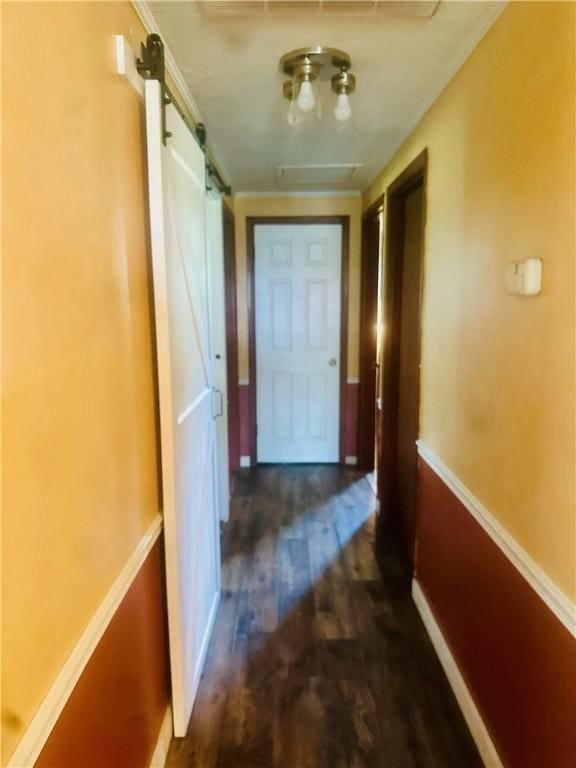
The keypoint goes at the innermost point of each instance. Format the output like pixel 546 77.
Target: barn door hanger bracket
pixel 212 173
pixel 151 66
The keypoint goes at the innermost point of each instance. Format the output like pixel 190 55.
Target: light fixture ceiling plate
pixel 318 54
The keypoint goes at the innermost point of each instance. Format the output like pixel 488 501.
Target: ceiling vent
pixel 315 175
pixel 317 7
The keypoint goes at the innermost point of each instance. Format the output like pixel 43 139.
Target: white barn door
pixel 215 236
pixel 176 176
pixel 297 280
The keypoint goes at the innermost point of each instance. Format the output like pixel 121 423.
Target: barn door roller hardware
pixel 211 170
pixel 152 67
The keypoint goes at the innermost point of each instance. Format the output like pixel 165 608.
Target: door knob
pixel 332 361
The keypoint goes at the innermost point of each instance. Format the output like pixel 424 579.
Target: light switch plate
pixel 524 278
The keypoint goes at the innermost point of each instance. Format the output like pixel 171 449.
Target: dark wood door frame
pixel 411 178
pixel 251 223
pixel 229 244
pixel 369 284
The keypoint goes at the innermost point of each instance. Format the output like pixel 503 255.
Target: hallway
pixel 316 660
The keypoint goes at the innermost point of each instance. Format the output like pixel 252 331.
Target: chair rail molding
pixel 39 729
pixel 556 600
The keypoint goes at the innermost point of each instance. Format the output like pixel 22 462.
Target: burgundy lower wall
pixel 244 415
pixel 113 717
pixel 518 659
pixel 349 427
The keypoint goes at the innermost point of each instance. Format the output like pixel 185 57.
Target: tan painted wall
pixel 299 206
pixel 79 424
pixel 498 370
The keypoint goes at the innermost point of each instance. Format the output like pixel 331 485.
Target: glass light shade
pixel 343 109
pixel 305 98
pixel 292 116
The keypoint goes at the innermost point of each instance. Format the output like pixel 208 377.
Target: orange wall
pixel 498 370
pixel 351 206
pixel 80 462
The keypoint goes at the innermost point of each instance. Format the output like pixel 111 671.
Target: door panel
pixel 297 281
pixel 180 274
pixel 280 303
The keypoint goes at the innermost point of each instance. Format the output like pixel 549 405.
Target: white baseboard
pixel 463 696
pixel 160 753
pixel 351 460
pixel 244 461
pixel 558 602
pixel 36 735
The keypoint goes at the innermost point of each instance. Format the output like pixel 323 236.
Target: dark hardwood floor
pixel 318 660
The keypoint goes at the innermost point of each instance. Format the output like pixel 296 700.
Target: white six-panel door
pixel 176 177
pixel 297 280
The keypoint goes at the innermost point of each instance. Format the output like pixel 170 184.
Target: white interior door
pixel 176 177
pixel 218 338
pixel 297 276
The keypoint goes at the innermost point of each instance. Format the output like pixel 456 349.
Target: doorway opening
pixel 372 233
pixel 400 358
pixel 298 323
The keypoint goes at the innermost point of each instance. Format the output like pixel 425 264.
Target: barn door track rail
pixel 151 67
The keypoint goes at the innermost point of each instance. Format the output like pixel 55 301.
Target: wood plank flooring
pixel 318 657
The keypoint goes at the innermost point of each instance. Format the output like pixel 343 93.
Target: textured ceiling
pixel 230 62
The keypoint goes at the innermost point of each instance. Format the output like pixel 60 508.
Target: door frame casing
pixel 414 175
pixel 229 247
pixel 251 223
pixel 367 403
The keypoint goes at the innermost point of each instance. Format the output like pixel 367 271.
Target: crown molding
pixel 491 12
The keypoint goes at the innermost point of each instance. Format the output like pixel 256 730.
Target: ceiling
pixel 229 60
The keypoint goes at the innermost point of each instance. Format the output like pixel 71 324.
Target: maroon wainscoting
pixel 349 428
pixel 113 717
pixel 244 406
pixel 517 658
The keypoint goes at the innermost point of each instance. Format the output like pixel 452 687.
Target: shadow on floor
pixel 318 659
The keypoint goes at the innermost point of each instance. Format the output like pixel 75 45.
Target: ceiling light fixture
pixel 308 65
